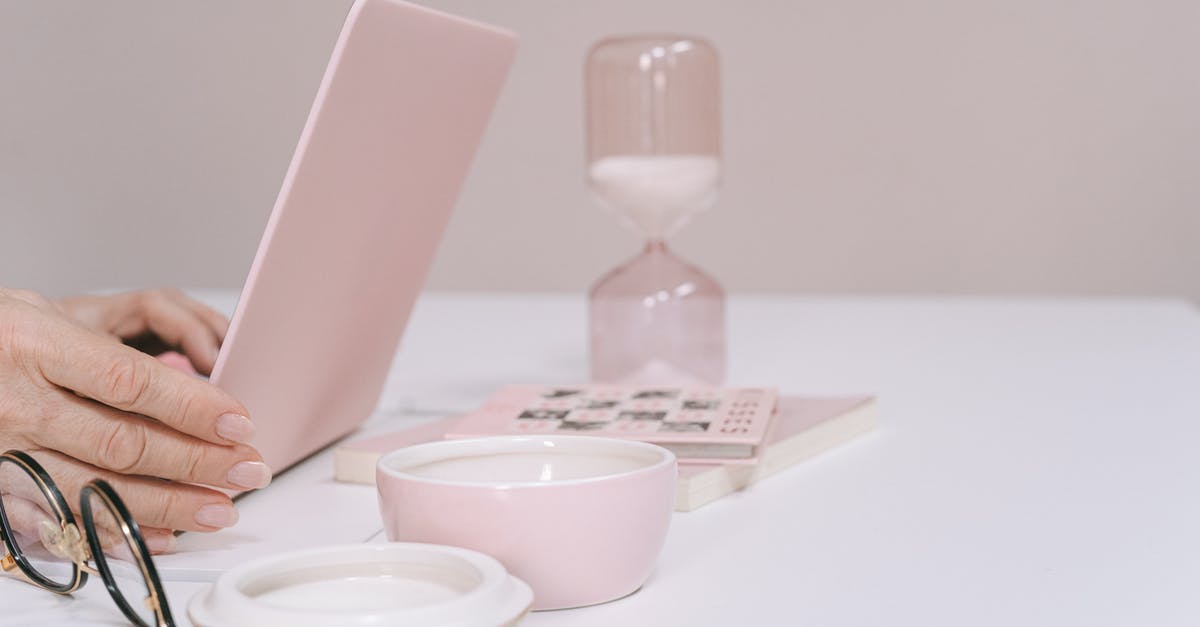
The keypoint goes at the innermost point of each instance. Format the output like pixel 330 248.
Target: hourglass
pixel 654 160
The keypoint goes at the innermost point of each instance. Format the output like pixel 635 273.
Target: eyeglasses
pixel 30 503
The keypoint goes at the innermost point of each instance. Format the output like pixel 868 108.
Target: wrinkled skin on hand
pixel 85 404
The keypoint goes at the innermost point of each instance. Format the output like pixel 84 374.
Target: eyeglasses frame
pixel 15 558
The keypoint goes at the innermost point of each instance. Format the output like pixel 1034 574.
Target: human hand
pixel 154 321
pixel 86 406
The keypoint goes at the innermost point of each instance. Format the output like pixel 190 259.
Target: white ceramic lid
pixel 414 585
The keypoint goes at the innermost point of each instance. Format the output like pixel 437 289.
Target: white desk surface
pixel 1037 464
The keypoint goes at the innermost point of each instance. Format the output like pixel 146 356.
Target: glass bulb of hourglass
pixel 654 161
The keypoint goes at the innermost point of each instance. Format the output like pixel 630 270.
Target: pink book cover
pixel 710 423
pixel 355 461
pixel 802 428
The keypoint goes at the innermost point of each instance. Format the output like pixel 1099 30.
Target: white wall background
pixel 981 146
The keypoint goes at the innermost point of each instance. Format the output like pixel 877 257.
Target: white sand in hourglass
pixel 656 194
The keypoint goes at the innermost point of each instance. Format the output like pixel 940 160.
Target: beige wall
pixel 1009 146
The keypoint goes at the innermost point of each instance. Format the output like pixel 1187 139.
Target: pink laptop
pixel 387 146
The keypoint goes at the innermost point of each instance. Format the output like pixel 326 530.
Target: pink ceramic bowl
pixel 580 519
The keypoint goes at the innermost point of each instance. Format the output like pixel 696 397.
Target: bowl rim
pixel 225 602
pixel 665 458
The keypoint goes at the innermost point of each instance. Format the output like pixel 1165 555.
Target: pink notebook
pixel 696 423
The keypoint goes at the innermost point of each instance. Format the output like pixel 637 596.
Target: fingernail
pixel 249 475
pixel 216 516
pixel 235 428
pixel 162 542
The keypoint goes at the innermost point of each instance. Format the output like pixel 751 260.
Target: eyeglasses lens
pixel 37 531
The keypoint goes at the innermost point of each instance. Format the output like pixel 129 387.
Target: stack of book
pixel 725 438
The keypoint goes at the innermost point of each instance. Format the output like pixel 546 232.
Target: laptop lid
pixel 391 135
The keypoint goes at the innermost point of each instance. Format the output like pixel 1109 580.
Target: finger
pixel 27 515
pixel 25 505
pixel 33 298
pixel 126 379
pixel 177 361
pixel 153 503
pixel 134 445
pixel 159 541
pixel 88 311
pixel 215 320
pixel 179 326
pixel 110 532
pixel 17 483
